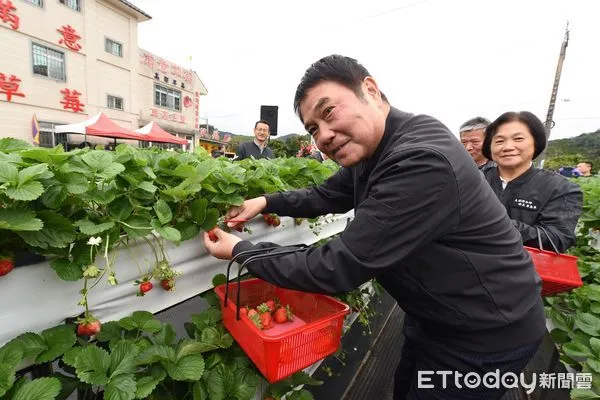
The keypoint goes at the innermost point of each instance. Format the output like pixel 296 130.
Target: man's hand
pixel 250 209
pixel 223 247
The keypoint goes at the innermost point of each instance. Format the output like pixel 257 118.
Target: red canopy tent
pixel 152 132
pixel 100 125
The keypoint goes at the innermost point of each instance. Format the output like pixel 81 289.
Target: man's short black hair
pixel 334 68
pixel 533 123
pixel 262 121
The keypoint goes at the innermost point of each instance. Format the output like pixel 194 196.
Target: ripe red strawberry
pixel 283 314
pixel 271 305
pixel 252 312
pixel 266 320
pixel 244 311
pixel 145 286
pixel 89 328
pixel 212 235
pixel 6 265
pixel 268 219
pixel 167 284
pixel 265 316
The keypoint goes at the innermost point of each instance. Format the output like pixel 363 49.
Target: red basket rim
pixel 220 291
pixel 536 250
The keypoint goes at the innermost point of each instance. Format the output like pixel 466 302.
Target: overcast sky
pixel 452 59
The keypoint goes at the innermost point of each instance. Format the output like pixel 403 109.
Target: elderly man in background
pixel 472 133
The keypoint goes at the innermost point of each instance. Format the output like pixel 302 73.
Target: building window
pixel 48 62
pixel 112 47
pixel 114 102
pixel 47 134
pixel 36 2
pixel 169 98
pixel 74 4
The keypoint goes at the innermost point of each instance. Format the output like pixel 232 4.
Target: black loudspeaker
pixel 269 114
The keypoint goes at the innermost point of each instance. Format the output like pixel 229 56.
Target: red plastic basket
pixel 279 356
pixel 559 272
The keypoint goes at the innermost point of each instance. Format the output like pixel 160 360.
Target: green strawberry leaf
pixel 163 211
pixel 54 196
pixel 7 377
pixel 188 368
pixel 123 358
pixel 9 174
pixel 147 186
pixel 27 191
pixel 212 216
pixel 58 340
pixel 156 353
pixel 71 355
pixel 137 226
pixel 141 320
pixel 66 270
pixel 37 171
pixel 588 323
pixel 169 233
pixel 92 365
pixel 9 145
pixel 90 228
pixel 57 232
pixel 581 394
pixel 97 159
pixel 19 220
pixel 38 389
pixel 145 386
pixel 121 387
pixel 30 344
pixel 11 354
pixel 198 210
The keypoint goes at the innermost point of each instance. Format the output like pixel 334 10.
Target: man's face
pixel 513 145
pixel 473 140
pixel 584 168
pixel 345 127
pixel 261 132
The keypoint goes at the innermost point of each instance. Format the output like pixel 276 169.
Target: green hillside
pixel 569 152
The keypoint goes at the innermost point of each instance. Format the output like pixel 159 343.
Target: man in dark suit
pixel 258 148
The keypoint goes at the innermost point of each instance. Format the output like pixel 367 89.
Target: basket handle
pixel 538 227
pixel 242 253
pixel 286 250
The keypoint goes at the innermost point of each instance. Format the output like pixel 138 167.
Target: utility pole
pixel 549 124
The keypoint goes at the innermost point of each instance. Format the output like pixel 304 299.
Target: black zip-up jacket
pixel 251 149
pixel 430 229
pixel 541 198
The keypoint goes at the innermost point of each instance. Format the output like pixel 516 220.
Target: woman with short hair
pixel 536 200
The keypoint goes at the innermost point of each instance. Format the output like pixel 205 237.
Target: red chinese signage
pixel 10 86
pixel 165 67
pixel 71 100
pixel 162 114
pixel 70 38
pixel 7 14
pixel 148 59
pixel 197 109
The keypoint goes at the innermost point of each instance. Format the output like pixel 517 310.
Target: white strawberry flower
pixel 94 241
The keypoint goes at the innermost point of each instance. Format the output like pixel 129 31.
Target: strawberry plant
pixel 78 207
pixel 576 314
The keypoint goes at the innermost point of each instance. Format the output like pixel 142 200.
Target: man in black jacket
pixel 259 147
pixel 426 225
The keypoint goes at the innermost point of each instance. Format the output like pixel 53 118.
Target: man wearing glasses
pixel 258 148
